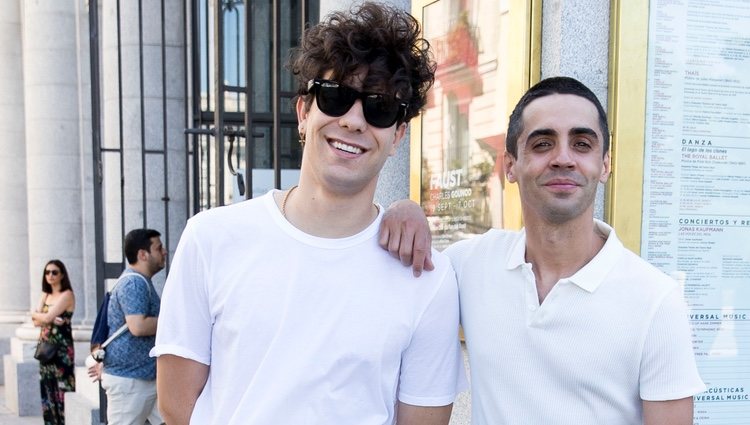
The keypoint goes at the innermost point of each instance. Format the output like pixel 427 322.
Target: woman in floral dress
pixel 53 315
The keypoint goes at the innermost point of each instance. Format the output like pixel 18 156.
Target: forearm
pixel 669 412
pixel 420 415
pixel 41 319
pixel 37 320
pixel 63 304
pixel 140 325
pixel 179 382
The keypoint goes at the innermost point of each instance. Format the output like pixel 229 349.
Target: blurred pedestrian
pixel 53 315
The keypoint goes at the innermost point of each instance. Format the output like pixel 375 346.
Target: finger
pixel 393 244
pixel 406 247
pixel 383 238
pixel 422 252
pixel 428 265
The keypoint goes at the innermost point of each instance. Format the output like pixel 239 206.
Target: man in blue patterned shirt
pixel 129 377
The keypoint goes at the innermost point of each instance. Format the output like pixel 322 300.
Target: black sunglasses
pixel 336 99
pixel 52 272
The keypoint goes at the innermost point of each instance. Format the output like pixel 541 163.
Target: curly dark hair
pixel 375 38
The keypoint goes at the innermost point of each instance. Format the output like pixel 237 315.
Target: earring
pixel 302 137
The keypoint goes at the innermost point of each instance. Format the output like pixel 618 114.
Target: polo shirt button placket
pixel 531 298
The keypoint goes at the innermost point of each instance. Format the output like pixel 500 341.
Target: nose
pixel 354 118
pixel 563 157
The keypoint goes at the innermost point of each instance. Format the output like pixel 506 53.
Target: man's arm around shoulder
pixel 179 382
pixel 669 412
pixel 423 415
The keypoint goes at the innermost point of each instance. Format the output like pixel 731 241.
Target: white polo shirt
pixel 614 333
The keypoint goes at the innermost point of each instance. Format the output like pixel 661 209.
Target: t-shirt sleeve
pixel 185 321
pixel 432 371
pixel 133 294
pixel 668 369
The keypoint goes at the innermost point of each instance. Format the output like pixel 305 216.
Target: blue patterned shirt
pixel 127 355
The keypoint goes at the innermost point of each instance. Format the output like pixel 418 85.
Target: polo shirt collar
pixel 517 252
pixel 590 276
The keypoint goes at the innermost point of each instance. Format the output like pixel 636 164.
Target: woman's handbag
pixel 45 352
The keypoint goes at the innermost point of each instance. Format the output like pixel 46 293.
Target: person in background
pixel 283 309
pixel 129 374
pixel 53 315
pixel 563 324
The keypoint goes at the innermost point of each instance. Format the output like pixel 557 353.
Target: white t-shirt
pixel 614 333
pixel 304 330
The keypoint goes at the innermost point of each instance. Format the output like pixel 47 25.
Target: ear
pixel 143 255
pixel 508 163
pixel 398 137
pixel 301 110
pixel 606 169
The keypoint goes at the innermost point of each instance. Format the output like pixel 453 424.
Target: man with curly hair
pixel 283 309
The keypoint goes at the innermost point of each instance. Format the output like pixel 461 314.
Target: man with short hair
pixel 283 309
pixel 563 324
pixel 129 375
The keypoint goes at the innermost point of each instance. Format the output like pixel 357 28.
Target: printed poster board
pixel 695 206
pixel 457 144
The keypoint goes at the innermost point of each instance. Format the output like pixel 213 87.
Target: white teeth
pixel 346 148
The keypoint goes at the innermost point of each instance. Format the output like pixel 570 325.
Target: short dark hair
pixel 546 87
pixel 379 38
pixel 64 282
pixel 137 240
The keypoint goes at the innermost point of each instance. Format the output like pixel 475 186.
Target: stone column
pixel 53 173
pixel 568 25
pixel 14 303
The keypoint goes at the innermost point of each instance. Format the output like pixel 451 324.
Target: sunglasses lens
pixel 335 100
pixel 52 272
pixel 381 111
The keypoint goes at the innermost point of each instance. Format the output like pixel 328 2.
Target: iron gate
pixel 191 109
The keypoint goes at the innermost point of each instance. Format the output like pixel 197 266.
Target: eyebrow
pixel 541 132
pixel 576 131
pixel 584 131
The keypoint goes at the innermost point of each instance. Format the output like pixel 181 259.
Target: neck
pixel 324 214
pixel 141 268
pixel 558 251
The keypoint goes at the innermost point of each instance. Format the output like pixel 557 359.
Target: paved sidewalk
pixel 9 418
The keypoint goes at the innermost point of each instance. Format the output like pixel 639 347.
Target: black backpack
pixel 100 333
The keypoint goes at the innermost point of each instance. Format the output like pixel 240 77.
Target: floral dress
pixel 57 377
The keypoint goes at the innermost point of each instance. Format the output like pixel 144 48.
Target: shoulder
pixel 68 298
pixel 226 219
pixel 494 240
pixel 645 283
pixel 644 275
pixel 67 295
pixel 131 282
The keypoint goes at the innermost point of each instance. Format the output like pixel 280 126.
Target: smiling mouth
pixel 562 184
pixel 347 148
